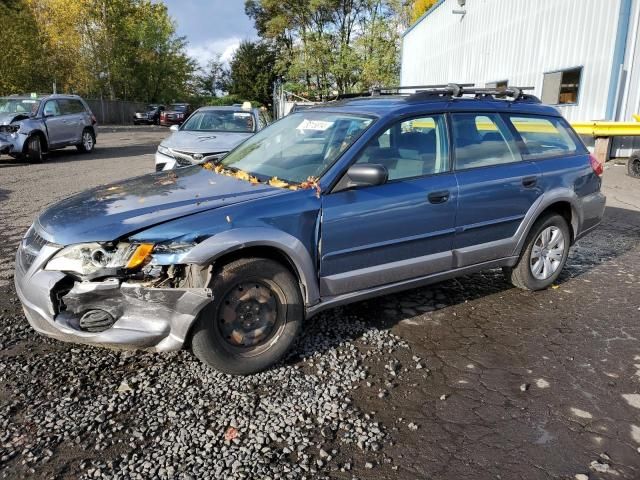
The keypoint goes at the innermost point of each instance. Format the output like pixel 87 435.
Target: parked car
pixel 325 207
pixel 149 117
pixel 633 165
pixel 32 126
pixel 175 114
pixel 209 134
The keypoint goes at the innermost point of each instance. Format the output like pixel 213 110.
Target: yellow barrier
pixel 607 129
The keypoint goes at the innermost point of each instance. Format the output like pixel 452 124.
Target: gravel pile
pixel 168 416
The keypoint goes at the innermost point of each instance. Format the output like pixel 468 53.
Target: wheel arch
pixel 261 242
pixel 43 139
pixel 564 203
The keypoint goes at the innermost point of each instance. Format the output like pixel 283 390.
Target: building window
pixel 500 86
pixel 562 88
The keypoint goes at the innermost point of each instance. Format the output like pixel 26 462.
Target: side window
pixel 78 106
pixel 411 148
pixel 66 106
pixel 481 140
pixel 543 137
pixel 51 108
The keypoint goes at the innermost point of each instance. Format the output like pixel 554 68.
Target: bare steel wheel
pixel 547 253
pixel 254 318
pixel 248 318
pixel 544 254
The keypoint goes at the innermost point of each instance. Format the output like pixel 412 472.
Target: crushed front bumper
pixel 7 145
pixel 158 319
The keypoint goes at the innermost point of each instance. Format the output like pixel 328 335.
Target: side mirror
pixel 174 128
pixel 366 175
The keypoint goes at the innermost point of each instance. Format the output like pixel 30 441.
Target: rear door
pixel 398 231
pixel 497 187
pixel 75 119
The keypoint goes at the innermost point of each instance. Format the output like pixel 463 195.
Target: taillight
pixel 93 120
pixel 596 165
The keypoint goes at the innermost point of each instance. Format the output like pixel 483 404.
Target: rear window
pixel 544 136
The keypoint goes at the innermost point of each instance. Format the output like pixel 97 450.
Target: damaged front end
pixel 10 140
pixel 123 295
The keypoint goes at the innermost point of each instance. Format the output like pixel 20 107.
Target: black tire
pixel 136 123
pixel 33 150
pixel 522 275
pixel 633 165
pixel 221 327
pixel 88 142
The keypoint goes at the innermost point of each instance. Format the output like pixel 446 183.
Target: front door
pixel 57 131
pixel 398 231
pixel 496 187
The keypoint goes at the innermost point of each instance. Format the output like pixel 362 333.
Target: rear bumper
pixel 158 319
pixel 592 209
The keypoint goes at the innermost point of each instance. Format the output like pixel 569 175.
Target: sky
pixel 211 26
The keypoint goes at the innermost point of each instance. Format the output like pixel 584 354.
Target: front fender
pixel 230 241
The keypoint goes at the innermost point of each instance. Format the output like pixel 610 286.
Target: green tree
pixel 21 53
pixel 327 46
pixel 252 72
pixel 214 79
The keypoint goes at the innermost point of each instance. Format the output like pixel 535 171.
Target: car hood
pixel 6 118
pixel 111 212
pixel 205 142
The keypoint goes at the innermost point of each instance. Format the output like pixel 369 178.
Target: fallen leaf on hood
pixel 276 182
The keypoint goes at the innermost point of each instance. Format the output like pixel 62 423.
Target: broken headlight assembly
pixel 10 129
pixel 90 259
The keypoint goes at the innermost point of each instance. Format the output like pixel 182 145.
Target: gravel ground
pixel 468 379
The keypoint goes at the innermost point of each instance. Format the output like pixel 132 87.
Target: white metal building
pixel 581 55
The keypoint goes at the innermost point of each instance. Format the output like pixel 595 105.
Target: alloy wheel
pixel 87 141
pixel 547 253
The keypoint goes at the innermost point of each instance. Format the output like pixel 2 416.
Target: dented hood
pixel 114 211
pixel 6 118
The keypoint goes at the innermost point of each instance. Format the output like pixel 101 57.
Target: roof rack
pixel 454 90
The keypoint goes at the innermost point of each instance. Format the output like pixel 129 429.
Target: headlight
pixel 165 151
pixel 13 128
pixel 91 258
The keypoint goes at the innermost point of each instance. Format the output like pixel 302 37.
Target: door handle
pixel 439 197
pixel 529 182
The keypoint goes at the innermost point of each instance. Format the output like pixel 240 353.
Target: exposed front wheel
pixel 254 318
pixel 544 256
pixel 633 165
pixel 88 141
pixel 34 149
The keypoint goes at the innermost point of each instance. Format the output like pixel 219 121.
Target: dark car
pixel 151 116
pixel 175 114
pixel 325 207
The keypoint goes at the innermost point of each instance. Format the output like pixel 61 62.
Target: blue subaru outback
pixel 328 206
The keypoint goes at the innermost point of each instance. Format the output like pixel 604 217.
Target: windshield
pixel 298 147
pixel 221 121
pixel 19 105
pixel 179 108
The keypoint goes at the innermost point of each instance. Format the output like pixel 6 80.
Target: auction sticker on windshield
pixel 318 125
